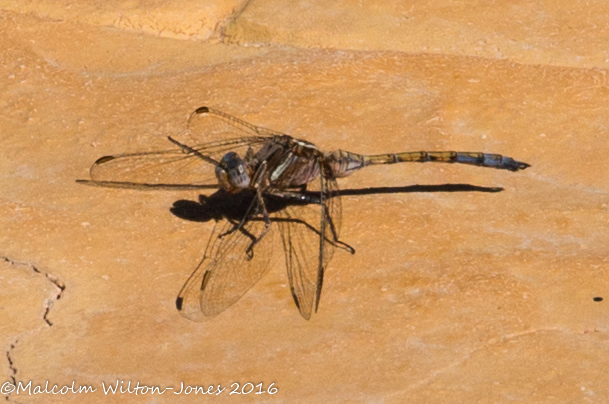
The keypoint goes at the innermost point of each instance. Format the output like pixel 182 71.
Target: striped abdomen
pixel 343 163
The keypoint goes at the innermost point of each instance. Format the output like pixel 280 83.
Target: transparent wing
pixel 310 235
pixel 226 272
pixel 162 168
pixel 207 126
pixel 331 222
pixel 210 135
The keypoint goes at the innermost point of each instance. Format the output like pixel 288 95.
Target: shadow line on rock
pixel 224 205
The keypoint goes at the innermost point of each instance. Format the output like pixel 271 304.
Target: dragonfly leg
pixel 241 223
pixel 301 196
pixel 336 242
pixel 261 208
pixel 267 224
pixel 256 179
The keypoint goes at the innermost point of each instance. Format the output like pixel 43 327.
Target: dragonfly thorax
pixel 232 173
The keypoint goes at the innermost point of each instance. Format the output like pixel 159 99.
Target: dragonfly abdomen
pixel 474 158
pixel 343 163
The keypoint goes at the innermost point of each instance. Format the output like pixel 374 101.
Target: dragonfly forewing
pixel 209 126
pixel 173 167
pixel 164 167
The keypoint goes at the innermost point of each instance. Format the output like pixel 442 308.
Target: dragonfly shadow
pixel 217 206
pixel 224 205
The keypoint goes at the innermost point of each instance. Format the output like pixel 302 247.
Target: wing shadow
pixel 224 205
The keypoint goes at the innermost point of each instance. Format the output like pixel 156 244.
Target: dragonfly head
pixel 232 173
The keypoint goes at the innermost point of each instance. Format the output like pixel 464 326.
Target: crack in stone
pixel 49 302
pixel 51 278
pixel 11 366
pixel 48 305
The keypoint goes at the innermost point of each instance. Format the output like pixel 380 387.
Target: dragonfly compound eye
pixel 232 173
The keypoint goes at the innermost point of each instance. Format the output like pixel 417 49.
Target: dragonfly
pixel 276 184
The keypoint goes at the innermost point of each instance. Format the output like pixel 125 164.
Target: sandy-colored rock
pixel 451 297
pixel 181 19
pixel 541 32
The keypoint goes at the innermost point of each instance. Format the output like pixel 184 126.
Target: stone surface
pixel 451 297
pixel 541 32
pixel 182 19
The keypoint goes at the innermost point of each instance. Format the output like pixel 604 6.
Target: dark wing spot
pixel 295 297
pixel 205 280
pixel 104 159
pixel 202 110
pixel 179 303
